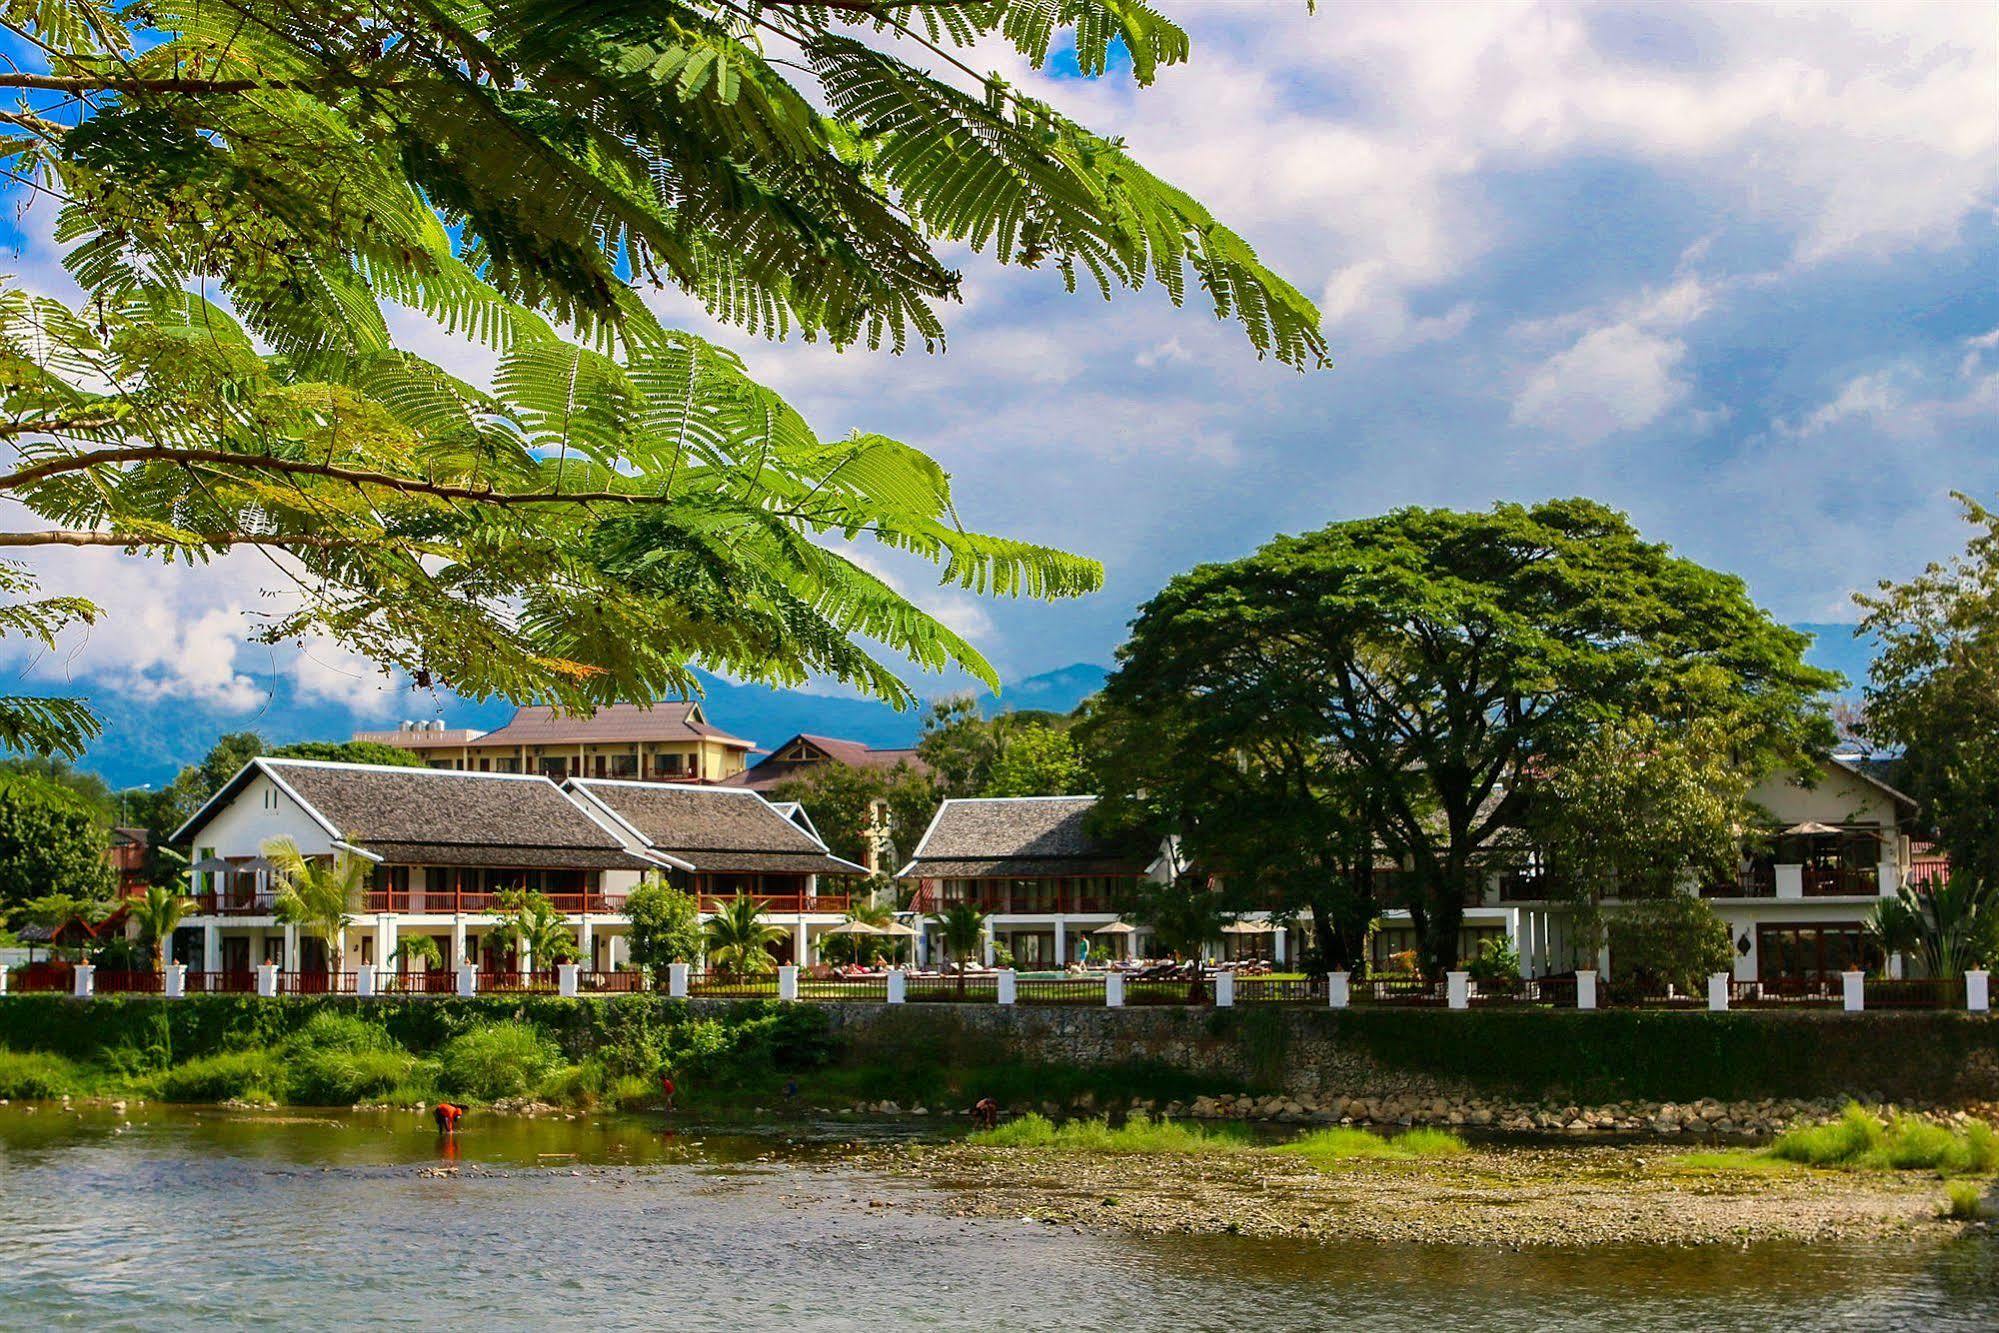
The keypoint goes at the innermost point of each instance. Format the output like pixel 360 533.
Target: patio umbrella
pixel 901 931
pixel 855 928
pixel 1811 827
pixel 1249 928
pixel 260 865
pixel 1116 928
pixel 209 865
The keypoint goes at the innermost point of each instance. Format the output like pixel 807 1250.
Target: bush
pixel 1678 939
pixel 342 1077
pixel 1345 1143
pixel 220 1078
pixel 329 1031
pixel 1964 1201
pixel 497 1060
pixel 1901 1143
pixel 1497 964
pixel 666 925
pixel 34 1076
pixel 1139 1134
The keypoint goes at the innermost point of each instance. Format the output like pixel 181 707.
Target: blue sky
pixel 1730 268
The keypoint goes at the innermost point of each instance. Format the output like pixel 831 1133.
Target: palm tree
pixel 319 896
pixel 1947 927
pixel 412 947
pixel 963 926
pixel 739 938
pixel 532 925
pixel 159 914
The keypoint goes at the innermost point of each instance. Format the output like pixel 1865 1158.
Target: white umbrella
pixel 855 928
pixel 1249 928
pixel 1116 928
pixel 1811 827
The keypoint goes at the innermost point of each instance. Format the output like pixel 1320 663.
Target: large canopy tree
pixel 518 171
pixel 1933 693
pixel 1444 656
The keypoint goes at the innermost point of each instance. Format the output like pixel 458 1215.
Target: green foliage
pixel 414 949
pixel 530 923
pixel 1140 1134
pixel 666 925
pixel 1678 939
pixel 1438 659
pixel 962 928
pixel 1346 1143
pixel 1497 964
pixel 350 752
pixel 839 796
pixel 593 527
pixel 159 914
pixel 318 895
pixel 1949 928
pixel 1899 1143
pixel 33 725
pixel 86 786
pixel 1638 810
pixel 37 1076
pixel 1964 1201
pixel 51 844
pixel 1933 692
pixel 486 1063
pixel 247 1075
pixel 738 939
pixel 1036 761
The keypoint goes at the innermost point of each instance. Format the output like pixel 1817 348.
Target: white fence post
pixel 787 982
pixel 173 982
pixel 1339 989
pixel 84 980
pixel 468 980
pixel 1978 991
pixel 1009 989
pixel 364 981
pixel 267 980
pixel 898 986
pixel 1853 987
pixel 1457 989
pixel 676 980
pixel 1114 990
pixel 1717 990
pixel 3 980
pixel 1224 989
pixel 565 980
pixel 1586 988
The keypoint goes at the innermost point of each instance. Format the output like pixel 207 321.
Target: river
pixel 168 1218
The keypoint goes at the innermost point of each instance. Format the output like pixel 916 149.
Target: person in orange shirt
pixel 448 1116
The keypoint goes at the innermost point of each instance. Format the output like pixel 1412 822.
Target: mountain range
pixel 148 741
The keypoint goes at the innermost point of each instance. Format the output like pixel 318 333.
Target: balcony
pixel 446 902
pixel 779 904
pixel 1843 881
pixel 232 902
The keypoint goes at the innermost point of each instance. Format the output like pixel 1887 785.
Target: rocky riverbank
pixel 1510 1197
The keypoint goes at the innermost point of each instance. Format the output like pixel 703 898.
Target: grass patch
pixel 37 1076
pixel 230 1076
pixel 1346 1143
pixel 496 1060
pixel 1729 1162
pixel 1140 1134
pixel 1900 1143
pixel 1964 1201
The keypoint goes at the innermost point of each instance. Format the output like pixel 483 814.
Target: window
pixel 1811 952
pixel 506 765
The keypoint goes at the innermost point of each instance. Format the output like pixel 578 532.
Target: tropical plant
pixel 1448 657
pixel 418 948
pixel 666 925
pixel 1678 940
pixel 1037 761
pixel 1933 692
pixel 739 939
pixel 506 169
pixel 1185 914
pixel 159 914
pixel 319 895
pixel 1947 928
pixel 530 924
pixel 962 927
pixel 861 948
pixel 51 843
pixel 1496 966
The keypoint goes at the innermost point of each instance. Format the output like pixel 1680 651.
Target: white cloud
pixel 329 672
pixel 1613 379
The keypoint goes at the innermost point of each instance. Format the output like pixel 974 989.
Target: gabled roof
pixel 712 829
pixel 668 720
pixel 1015 836
pixel 1860 771
pixel 796 813
pixel 427 816
pixel 771 771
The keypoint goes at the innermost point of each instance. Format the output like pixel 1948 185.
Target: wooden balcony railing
pixel 1841 881
pixel 779 904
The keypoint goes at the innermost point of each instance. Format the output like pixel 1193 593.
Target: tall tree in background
pixel 52 845
pixel 609 514
pixel 1933 692
pixel 839 796
pixel 1446 655
pixel 972 754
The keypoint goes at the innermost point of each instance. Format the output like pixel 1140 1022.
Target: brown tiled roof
pixel 1015 836
pixel 436 807
pixel 664 721
pixel 772 772
pixel 507 857
pixel 715 828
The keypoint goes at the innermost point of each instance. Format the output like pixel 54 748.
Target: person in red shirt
pixel 447 1116
pixel 666 1088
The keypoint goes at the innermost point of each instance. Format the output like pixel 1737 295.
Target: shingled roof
pixel 776 769
pixel 713 829
pixel 665 721
pixel 426 816
pixel 1014 836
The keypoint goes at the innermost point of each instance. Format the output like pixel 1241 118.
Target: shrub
pixel 329 1031
pixel 344 1077
pixel 1497 963
pixel 1677 938
pixel 1345 1143
pixel 220 1078
pixel 1902 1143
pixel 1139 1134
pixel 34 1076
pixel 496 1060
pixel 1964 1201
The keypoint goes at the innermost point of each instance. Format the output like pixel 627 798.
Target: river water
pixel 173 1218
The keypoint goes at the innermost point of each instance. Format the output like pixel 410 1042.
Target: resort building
pixel 803 753
pixel 1031 863
pixel 666 742
pixel 722 844
pixel 444 845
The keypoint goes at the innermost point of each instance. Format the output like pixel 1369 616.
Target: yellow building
pixel 667 742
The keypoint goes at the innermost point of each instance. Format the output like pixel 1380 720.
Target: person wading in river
pixel 447 1116
pixel 666 1087
pixel 987 1111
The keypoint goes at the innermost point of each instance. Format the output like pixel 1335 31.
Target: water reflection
pixel 173 1218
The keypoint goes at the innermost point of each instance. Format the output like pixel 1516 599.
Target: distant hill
pixel 149 741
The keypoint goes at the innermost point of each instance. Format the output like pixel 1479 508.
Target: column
pixel 1114 990
pixel 1978 991
pixel 468 979
pixel 1061 943
pixel 1853 990
pixel 290 960
pixel 586 942
pixel 614 951
pixel 174 984
pixel 787 982
pixel 801 944
pixel 84 980
pixel 339 960
pixel 898 986
pixel 676 980
pixel 211 947
pixel 565 979
pixel 267 979
pixel 1585 988
pixel 386 942
pixel 1224 989
pixel 1277 945
pixel 989 942
pixel 1008 989
pixel 524 961
pixel 364 981
pixel 458 941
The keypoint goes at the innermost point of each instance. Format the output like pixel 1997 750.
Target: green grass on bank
pixel 1899 1143
pixel 1964 1201
pixel 1142 1135
pixel 1347 1143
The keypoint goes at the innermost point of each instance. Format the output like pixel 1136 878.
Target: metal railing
pixel 317 983
pixel 1059 990
pixel 1280 990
